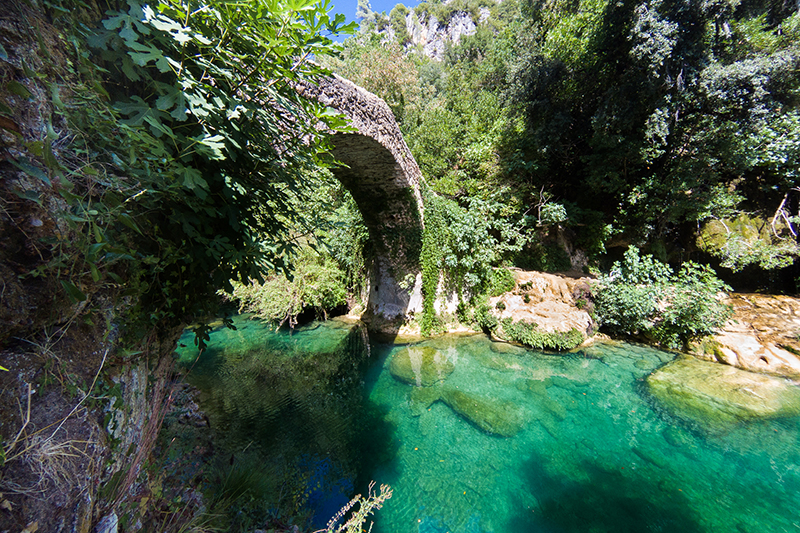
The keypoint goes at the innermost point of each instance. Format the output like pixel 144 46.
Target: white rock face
pixel 434 37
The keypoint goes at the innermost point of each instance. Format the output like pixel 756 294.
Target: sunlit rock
pixel 421 366
pixel 762 335
pixel 717 396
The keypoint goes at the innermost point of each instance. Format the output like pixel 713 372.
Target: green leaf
pixel 4 57
pixel 145 54
pixel 94 250
pixel 95 272
pixel 74 293
pixel 29 73
pixel 33 196
pixel 31 170
pixel 136 110
pixel 17 88
pixel 129 69
pixel 126 220
pixel 49 157
pixel 215 144
pixel 55 96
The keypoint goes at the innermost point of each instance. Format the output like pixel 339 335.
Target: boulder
pixel 555 303
pixel 421 366
pixel 715 396
pixel 492 416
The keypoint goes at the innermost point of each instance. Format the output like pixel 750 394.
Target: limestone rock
pixel 717 396
pixel 421 366
pixel 762 336
pixel 496 417
pixel 423 397
pixel 434 36
pixel 547 300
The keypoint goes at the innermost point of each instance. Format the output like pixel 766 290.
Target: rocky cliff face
pixel 432 36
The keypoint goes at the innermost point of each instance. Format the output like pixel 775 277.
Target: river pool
pixel 588 448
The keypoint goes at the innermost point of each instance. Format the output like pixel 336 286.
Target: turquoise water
pixel 594 452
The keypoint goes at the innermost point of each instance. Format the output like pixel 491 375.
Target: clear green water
pixel 595 453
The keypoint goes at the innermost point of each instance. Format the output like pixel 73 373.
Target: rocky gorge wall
pixel 433 36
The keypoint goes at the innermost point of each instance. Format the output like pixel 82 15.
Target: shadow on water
pixel 601 501
pixel 290 408
pixel 377 443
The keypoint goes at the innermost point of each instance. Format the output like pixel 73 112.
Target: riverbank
pixel 762 335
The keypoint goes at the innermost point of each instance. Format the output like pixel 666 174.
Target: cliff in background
pixel 431 27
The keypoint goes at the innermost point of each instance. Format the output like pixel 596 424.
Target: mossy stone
pixel 422 398
pixel 421 366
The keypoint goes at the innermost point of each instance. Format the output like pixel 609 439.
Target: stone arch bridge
pixel 384 180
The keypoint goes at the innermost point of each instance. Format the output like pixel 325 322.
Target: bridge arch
pixel 384 180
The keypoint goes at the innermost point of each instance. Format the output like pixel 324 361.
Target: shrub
pixel 642 296
pixel 531 335
pixel 484 318
pixel 501 280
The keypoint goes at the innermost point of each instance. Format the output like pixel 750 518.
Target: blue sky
pixel 348 7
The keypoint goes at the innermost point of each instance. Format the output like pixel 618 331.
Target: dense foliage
pixel 641 122
pixel 531 335
pixel 186 165
pixel 316 284
pixel 641 296
pixel 459 247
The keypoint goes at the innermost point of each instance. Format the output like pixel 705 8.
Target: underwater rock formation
pixel 493 416
pixel 421 366
pixel 715 396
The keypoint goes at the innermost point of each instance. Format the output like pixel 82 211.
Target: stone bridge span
pixel 384 180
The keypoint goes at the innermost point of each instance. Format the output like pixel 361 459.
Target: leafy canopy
pixel 194 145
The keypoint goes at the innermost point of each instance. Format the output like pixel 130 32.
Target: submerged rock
pixel 493 416
pixel 716 396
pixel 421 366
pixel 422 398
